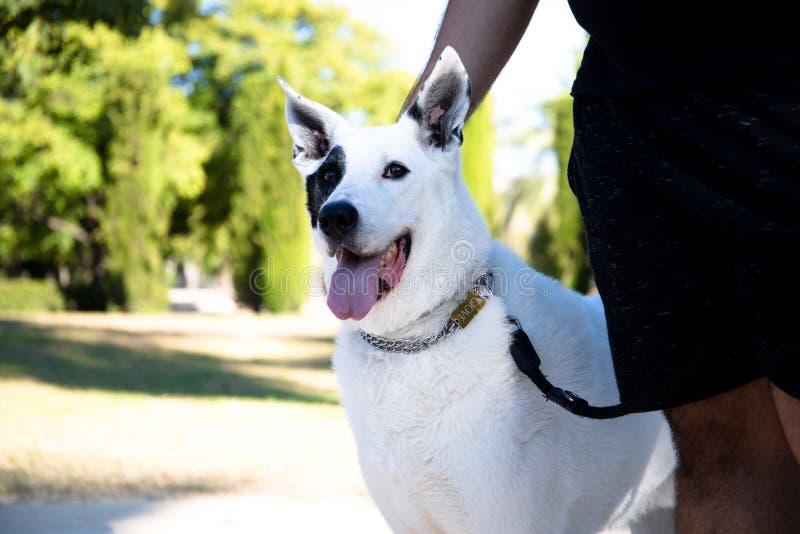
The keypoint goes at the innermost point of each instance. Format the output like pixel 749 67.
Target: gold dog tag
pixel 468 309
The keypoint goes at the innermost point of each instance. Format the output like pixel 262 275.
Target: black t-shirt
pixel 637 45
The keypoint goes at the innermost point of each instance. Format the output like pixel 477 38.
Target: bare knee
pixel 714 435
pixel 736 471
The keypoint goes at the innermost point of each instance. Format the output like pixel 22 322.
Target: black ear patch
pixel 415 112
pixel 315 140
pixel 312 127
pixel 321 183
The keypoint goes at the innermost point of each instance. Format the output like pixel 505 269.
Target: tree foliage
pixel 255 190
pixel 107 145
pixel 138 130
pixel 558 245
pixel 269 224
pixel 476 162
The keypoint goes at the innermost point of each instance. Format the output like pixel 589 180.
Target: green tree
pixel 253 195
pixel 269 222
pixel 138 130
pixel 558 245
pixel 45 172
pixel 155 157
pixel 477 161
pixel 96 146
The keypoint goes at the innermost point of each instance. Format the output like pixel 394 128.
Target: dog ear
pixel 312 127
pixel 443 102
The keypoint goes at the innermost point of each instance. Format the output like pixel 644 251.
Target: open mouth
pixel 360 281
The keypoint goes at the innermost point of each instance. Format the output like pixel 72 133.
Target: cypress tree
pixel 477 160
pixel 271 239
pixel 134 225
pixel 558 246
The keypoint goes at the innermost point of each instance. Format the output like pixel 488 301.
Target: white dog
pixel 451 436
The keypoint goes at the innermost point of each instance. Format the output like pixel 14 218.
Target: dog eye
pixel 329 176
pixel 394 171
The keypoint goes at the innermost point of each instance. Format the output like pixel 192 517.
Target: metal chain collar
pixel 482 289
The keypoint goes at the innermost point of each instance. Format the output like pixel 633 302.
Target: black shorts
pixel 691 202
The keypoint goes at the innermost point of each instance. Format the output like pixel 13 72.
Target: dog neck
pixel 459 318
pixel 430 321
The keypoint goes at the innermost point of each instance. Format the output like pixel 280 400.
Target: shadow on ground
pixel 132 365
pixel 17 484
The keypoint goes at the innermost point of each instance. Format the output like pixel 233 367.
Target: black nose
pixel 337 218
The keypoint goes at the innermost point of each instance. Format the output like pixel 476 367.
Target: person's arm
pixel 485 34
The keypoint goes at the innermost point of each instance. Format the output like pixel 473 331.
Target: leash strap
pixel 528 361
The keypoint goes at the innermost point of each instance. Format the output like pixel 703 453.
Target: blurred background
pixel 162 331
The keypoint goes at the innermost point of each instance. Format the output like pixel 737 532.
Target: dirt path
pixel 257 513
pixel 234 514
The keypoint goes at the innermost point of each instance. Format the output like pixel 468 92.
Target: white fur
pixel 456 438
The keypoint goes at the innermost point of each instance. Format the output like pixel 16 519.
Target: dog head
pixel 389 210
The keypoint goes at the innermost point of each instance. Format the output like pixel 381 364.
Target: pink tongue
pixel 354 286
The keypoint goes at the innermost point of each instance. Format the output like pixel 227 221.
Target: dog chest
pixel 421 420
pixel 445 392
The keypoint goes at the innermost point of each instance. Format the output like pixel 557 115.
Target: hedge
pixel 17 294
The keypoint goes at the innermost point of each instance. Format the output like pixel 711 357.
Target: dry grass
pixel 95 405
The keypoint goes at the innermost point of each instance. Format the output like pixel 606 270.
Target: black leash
pixel 528 361
pixel 522 350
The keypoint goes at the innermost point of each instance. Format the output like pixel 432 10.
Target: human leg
pixel 736 470
pixel 788 408
pixel 689 202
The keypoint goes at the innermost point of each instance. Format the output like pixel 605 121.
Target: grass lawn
pixel 112 405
